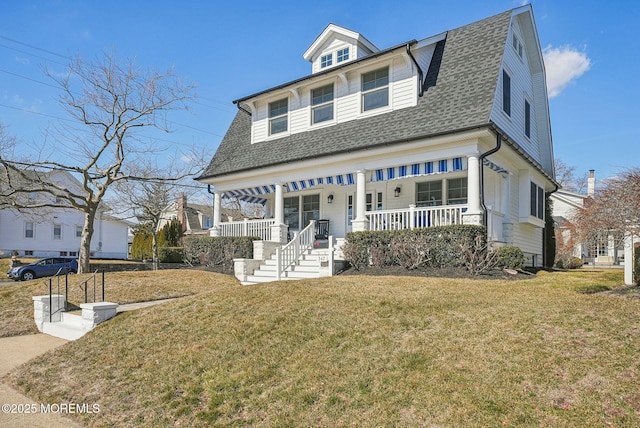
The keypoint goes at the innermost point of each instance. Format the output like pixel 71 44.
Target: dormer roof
pixel 333 32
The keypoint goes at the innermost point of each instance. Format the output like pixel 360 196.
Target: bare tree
pixel 567 178
pixel 110 104
pixel 614 212
pixel 147 197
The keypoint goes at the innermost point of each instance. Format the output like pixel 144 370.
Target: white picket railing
pixel 260 228
pixel 412 217
pixel 290 253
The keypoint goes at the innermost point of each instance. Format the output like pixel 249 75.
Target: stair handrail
pixel 290 253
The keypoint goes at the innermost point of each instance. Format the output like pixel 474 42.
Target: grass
pixel 359 350
pixel 16 304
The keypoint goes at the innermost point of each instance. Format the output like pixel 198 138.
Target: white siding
pixel 522 87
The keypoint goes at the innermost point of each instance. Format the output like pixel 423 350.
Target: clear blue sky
pixel 232 49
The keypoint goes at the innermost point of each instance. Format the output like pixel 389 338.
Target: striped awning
pixel 419 169
pixel 494 167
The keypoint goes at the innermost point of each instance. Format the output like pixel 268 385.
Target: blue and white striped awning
pixel 497 168
pixel 418 169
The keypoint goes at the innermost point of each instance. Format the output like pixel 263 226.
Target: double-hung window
pixel 278 116
pixel 429 193
pixel 322 104
pixel 375 89
pixel 537 201
pixel 456 191
pixel 28 229
pixel 57 231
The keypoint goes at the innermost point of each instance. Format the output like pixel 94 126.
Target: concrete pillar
pixel 279 205
pixel 217 213
pixel 43 305
pixel 474 213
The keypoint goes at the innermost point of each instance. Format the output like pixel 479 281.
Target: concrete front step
pixel 69 330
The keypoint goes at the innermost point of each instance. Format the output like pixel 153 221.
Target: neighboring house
pixel 47 232
pixel 603 251
pixel 196 219
pixel 449 129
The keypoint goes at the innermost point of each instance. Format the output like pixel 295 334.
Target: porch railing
pixel 260 228
pixel 290 253
pixel 412 217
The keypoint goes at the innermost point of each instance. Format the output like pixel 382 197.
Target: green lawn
pixel 359 351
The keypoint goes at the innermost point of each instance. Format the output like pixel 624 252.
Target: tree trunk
pixel 154 248
pixel 85 240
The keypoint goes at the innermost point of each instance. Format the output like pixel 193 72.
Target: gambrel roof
pixel 460 87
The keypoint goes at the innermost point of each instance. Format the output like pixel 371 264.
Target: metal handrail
pixel 290 253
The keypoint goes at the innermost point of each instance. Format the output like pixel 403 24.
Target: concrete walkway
pixel 17 350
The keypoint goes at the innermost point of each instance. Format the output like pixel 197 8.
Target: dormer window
pixel 375 89
pixel 322 104
pixel 278 116
pixel 342 55
pixel 326 60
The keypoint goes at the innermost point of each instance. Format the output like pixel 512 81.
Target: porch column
pixel 474 213
pixel 217 215
pixel 279 229
pixel 360 223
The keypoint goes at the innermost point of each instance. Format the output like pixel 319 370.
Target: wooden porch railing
pixel 260 228
pixel 412 217
pixel 289 254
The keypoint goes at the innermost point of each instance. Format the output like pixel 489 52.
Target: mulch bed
pixel 451 272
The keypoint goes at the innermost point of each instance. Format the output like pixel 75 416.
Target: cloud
pixel 564 65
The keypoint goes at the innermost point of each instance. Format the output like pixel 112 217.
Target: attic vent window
pixel 326 60
pixel 517 46
pixel 343 55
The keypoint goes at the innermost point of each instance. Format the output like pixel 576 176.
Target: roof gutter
pixel 420 73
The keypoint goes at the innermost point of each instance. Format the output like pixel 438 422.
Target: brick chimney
pixel 591 183
pixel 182 216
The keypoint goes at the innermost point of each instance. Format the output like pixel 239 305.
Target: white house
pixel 452 128
pixel 48 232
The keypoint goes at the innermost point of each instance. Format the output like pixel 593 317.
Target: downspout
pixel 243 109
pixel 481 162
pixel 420 73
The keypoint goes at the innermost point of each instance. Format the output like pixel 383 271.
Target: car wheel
pixel 72 272
pixel 27 275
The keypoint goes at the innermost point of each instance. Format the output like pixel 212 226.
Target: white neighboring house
pixel 449 129
pixel 566 204
pixel 48 232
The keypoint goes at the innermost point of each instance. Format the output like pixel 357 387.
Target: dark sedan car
pixel 44 267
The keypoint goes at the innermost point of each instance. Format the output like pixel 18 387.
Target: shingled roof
pixel 460 87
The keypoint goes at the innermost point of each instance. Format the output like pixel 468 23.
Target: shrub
pixel 575 263
pixel 422 247
pixel 218 251
pixel 476 255
pixel 510 257
pixel 171 254
pixel 636 264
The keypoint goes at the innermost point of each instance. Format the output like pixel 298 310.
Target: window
pixel 310 208
pixel 343 54
pixel 28 229
pixel 326 61
pixel 291 212
pixel 506 93
pixel 375 89
pixel 64 253
pixel 28 252
pixel 73 253
pixel 57 231
pixel 457 191
pixel 349 209
pixel 78 231
pixel 370 203
pixel 278 116
pixel 537 201
pixel 517 46
pixel 322 104
pixel 207 222
pixel 527 118
pixel 429 193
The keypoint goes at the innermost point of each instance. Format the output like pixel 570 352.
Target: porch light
pixel 397 190
pixel 330 198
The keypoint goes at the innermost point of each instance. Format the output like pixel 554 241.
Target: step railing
pixel 290 253
pixel 84 287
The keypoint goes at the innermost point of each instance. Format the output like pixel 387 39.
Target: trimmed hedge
pixel 510 257
pixel 218 251
pixel 171 254
pixel 636 264
pixel 422 247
